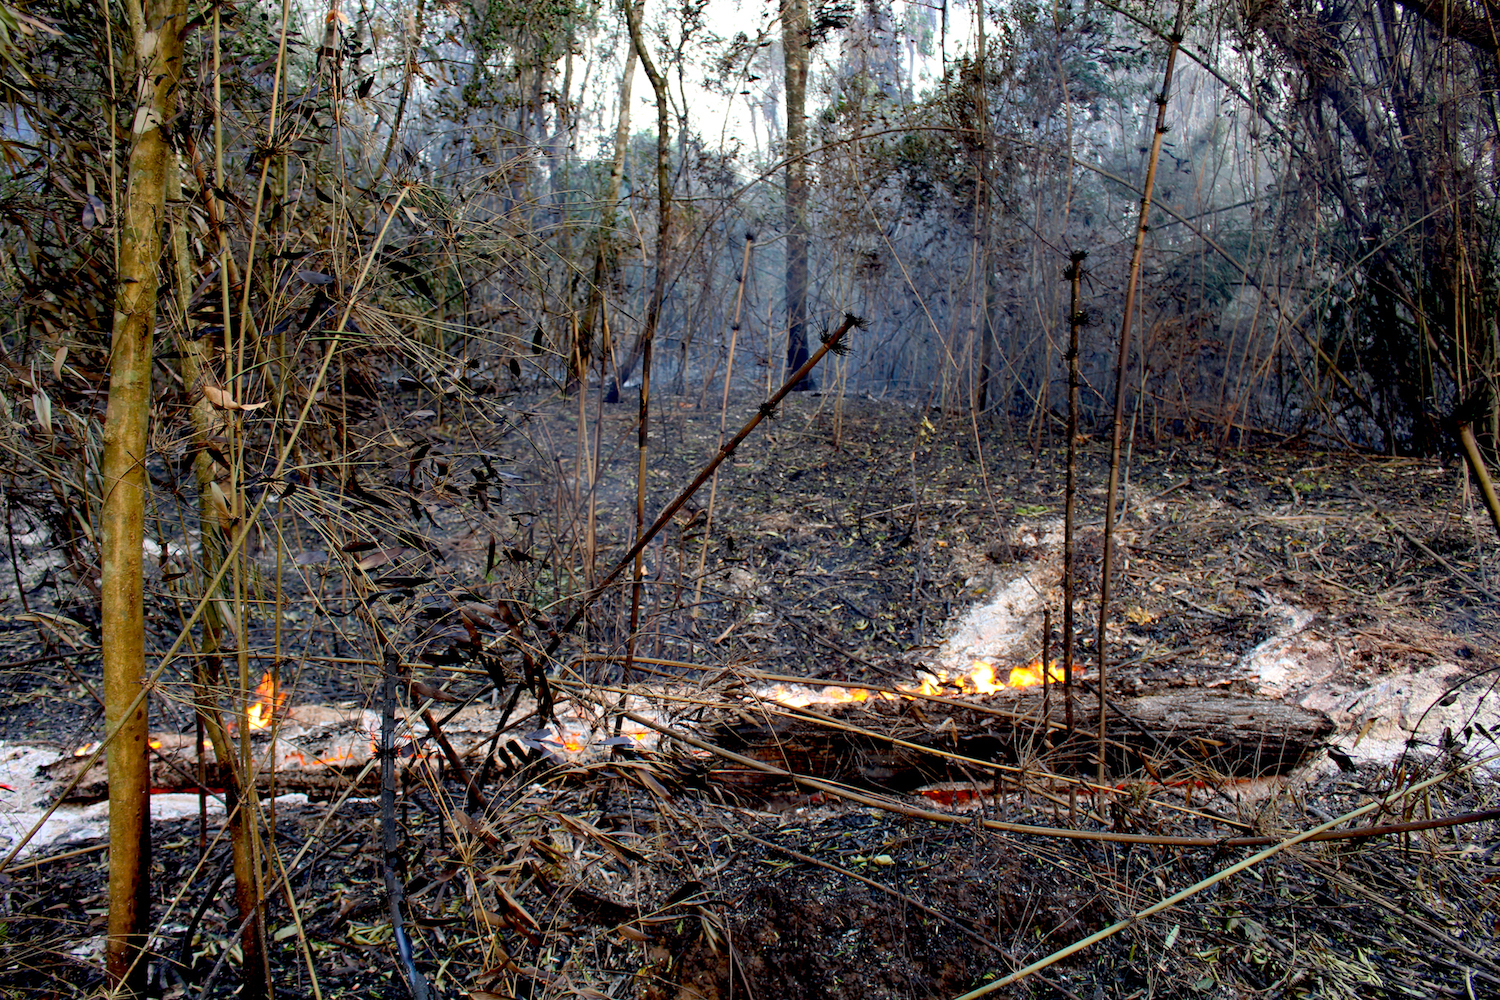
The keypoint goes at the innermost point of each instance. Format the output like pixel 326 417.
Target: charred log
pixel 901 745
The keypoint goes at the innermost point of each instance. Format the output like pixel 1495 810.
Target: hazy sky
pixel 751 112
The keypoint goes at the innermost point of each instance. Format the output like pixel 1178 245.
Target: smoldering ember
pixel 875 501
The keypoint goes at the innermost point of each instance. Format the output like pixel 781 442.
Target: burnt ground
pixel 845 537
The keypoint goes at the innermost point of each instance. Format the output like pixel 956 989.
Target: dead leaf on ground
pixel 379 558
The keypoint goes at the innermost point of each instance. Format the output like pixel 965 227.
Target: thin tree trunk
pixel 1070 495
pixel 796 41
pixel 1121 364
pixel 653 309
pixel 156 35
pixel 982 226
pixel 604 239
pixel 409 47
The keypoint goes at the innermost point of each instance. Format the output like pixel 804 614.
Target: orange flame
pixel 268 698
pixel 981 678
pixel 1032 674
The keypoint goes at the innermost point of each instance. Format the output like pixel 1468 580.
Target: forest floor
pixel 848 540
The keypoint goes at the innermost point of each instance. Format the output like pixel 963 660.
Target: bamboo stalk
pixel 653 310
pixel 713 487
pixel 1481 474
pixel 1076 319
pixel 1174 41
pixel 157 39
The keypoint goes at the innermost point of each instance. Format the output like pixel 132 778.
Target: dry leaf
pixel 67 628
pixel 219 398
pixel 465 821
pixel 222 507
pixel 42 403
pixel 643 774
pixel 519 917
pixel 58 358
pixel 379 558
pixel 584 828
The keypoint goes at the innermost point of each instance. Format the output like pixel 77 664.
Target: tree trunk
pixel 1121 365
pixel 653 308
pixel 604 255
pixel 796 42
pixel 196 368
pixel 156 33
pixel 983 207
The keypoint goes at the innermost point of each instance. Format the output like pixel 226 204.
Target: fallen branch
pixel 896 807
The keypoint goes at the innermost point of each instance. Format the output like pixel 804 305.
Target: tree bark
pixel 156 32
pixel 604 238
pixel 1171 735
pixel 796 42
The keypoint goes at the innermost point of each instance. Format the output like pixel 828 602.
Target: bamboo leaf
pixel 42 403
pixel 379 558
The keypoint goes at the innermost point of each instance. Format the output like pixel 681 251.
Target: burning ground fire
pixel 980 678
pixel 268 699
pixel 306 744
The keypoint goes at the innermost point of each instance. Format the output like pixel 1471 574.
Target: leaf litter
pixel 850 543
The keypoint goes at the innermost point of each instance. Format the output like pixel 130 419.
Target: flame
pixel 154 744
pixel 981 678
pixel 86 749
pixel 1032 674
pixel 268 698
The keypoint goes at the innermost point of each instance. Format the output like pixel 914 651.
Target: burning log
pixel 310 749
pixel 174 768
pixel 888 744
pixel 944 729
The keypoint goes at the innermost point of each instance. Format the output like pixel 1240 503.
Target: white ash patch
pixel 1381 719
pixel 30 789
pixel 1000 628
pixel 1378 717
pixel 1278 664
pixel 35 557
